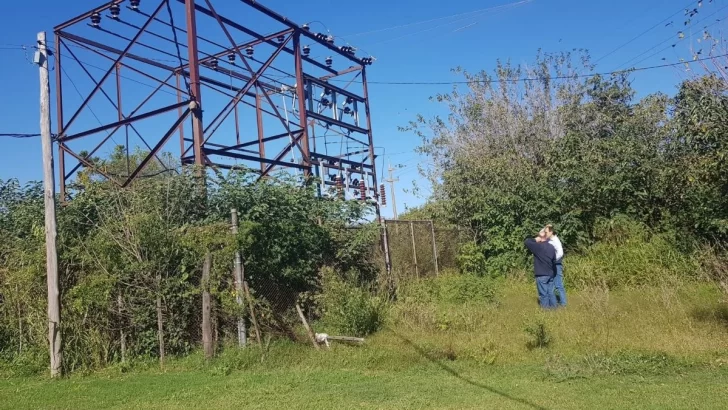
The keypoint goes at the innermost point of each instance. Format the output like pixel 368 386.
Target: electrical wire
pixel 667 48
pixel 672 38
pixel 642 34
pixel 499 10
pixel 176 43
pixel 16 135
pixel 87 106
pixel 525 79
pixel 434 19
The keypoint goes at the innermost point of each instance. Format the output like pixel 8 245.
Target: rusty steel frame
pixel 188 85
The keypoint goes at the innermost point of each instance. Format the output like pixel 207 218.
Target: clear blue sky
pixel 414 52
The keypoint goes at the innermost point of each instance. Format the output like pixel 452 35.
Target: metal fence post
pixel 434 248
pixel 414 248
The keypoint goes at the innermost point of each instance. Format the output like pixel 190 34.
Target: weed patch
pixel 622 363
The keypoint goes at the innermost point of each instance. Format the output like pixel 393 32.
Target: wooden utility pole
pixel 49 196
pixel 391 181
pixel 207 308
pixel 242 332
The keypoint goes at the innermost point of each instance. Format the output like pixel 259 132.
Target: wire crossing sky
pixel 416 45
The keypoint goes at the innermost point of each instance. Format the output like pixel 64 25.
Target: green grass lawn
pixel 655 348
pixel 426 385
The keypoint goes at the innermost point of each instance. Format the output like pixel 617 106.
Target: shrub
pixel 539 335
pixel 471 260
pixel 628 254
pixel 450 288
pixel 348 308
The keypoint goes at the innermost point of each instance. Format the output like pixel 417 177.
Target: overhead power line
pixel 643 33
pixel 417 23
pixel 672 38
pixel 562 77
pixel 15 135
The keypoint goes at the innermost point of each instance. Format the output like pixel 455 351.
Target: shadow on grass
pixel 457 375
pixel 718 314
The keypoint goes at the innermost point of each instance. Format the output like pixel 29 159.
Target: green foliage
pixel 471 260
pixel 348 308
pixel 628 254
pixel 539 336
pixel 512 156
pixel 621 363
pixel 123 252
pixel 450 288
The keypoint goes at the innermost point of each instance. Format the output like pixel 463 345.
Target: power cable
pixel 435 19
pixel 176 43
pixel 671 38
pixel 643 33
pixel 499 10
pixel 665 48
pixel 14 135
pixel 89 107
pixel 562 77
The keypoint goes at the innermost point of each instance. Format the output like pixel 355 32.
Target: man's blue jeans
pixel 545 288
pixel 559 284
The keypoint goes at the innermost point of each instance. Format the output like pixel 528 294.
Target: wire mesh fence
pixel 418 249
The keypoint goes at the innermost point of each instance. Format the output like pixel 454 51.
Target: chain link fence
pixel 419 249
pixel 416 249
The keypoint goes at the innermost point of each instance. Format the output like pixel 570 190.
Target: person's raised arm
pixel 531 244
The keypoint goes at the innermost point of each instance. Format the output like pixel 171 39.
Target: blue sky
pixel 405 51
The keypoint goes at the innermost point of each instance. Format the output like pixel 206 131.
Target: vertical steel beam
pixel 237 125
pixel 300 91
pixel 181 129
pixel 59 121
pixel 370 135
pixel 193 59
pixel 259 119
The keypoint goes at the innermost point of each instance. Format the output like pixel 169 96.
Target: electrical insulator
pixel 306 50
pixel 213 63
pixel 383 194
pixel 325 102
pixel 281 38
pixel 96 19
pixel 249 51
pixel 362 190
pixel 134 4
pixel 347 110
pixel 367 60
pixel 327 91
pixel 348 49
pixel 339 187
pixel 329 61
pixel 321 36
pixel 330 39
pixel 231 58
pixel 115 10
pixel 306 27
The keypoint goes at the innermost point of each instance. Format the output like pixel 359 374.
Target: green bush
pixel 628 254
pixel 538 335
pixel 450 288
pixel 471 260
pixel 347 308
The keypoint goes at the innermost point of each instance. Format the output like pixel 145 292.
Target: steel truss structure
pixel 290 99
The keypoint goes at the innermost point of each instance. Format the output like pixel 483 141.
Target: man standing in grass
pixel 559 279
pixel 544 256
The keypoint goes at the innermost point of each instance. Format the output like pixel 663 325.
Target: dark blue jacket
pixel 544 256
